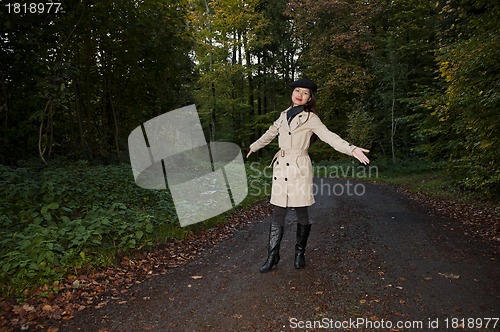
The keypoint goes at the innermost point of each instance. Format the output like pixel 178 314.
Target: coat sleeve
pixel 334 140
pixel 267 137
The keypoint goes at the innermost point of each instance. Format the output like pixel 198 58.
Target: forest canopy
pixel 404 78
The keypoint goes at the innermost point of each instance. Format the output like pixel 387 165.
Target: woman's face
pixel 300 96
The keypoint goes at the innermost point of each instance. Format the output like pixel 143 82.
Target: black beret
pixel 305 83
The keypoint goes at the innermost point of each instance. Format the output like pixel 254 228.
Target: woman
pixel 292 169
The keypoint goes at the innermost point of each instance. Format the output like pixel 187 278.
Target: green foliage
pixel 60 218
pixel 404 65
pixel 242 56
pixel 335 40
pixel 76 83
pixel 407 166
pixel 467 113
pixel 361 128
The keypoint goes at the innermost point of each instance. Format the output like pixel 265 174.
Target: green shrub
pixel 59 218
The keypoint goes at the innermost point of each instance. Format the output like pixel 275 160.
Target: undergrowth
pixel 58 219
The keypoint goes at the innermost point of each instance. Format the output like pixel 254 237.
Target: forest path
pixel 375 259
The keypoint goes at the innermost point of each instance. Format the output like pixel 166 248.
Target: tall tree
pixel 24 56
pixel 468 114
pixel 228 33
pixel 276 63
pixel 110 66
pixel 404 63
pixel 335 40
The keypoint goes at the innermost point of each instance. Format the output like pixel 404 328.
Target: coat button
pixel 286 179
pixel 277 162
pixel 288 164
pixel 275 178
pixel 289 133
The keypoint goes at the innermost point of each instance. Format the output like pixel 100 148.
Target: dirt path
pixel 373 260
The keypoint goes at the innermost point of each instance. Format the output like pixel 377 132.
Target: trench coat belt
pixel 290 152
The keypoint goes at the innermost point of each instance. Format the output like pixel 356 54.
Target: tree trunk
pixel 212 114
pixel 44 130
pixel 250 86
pixel 393 122
pixel 115 120
pixel 79 114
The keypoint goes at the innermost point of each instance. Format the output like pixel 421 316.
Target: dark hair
pixel 310 106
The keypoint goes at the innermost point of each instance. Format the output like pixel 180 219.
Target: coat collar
pixel 297 121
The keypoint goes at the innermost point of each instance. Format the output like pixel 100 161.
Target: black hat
pixel 305 83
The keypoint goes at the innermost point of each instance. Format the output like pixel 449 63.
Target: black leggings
pixel 280 214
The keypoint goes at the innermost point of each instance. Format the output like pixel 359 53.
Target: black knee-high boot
pixel 273 251
pixel 300 248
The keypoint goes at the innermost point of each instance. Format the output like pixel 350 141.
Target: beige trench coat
pixel 292 169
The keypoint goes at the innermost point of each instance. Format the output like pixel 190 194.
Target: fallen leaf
pixel 28 307
pixel 196 277
pixel 102 304
pixel 47 307
pixel 449 275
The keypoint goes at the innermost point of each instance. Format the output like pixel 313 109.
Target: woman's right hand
pixel 249 153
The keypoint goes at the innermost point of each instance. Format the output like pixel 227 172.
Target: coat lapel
pixel 298 120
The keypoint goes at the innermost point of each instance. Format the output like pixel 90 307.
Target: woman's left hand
pixel 358 153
